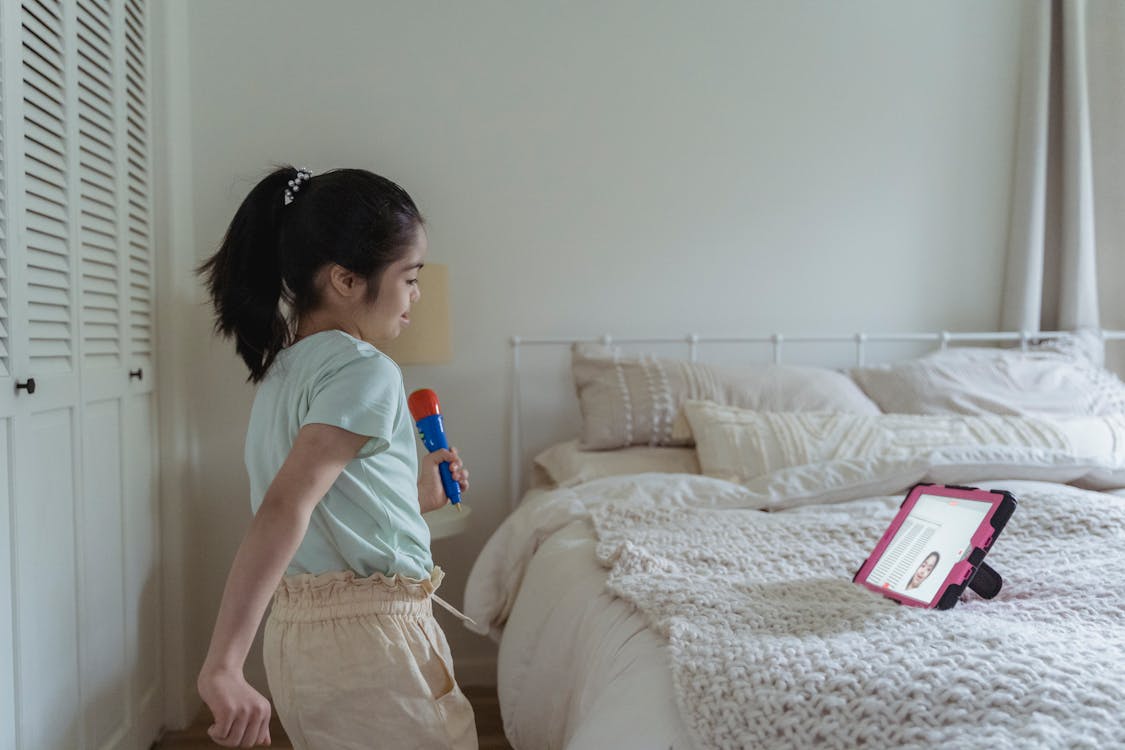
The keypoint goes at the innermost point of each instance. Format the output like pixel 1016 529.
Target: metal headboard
pixel 777 343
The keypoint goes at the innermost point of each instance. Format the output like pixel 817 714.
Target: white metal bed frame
pixel 776 341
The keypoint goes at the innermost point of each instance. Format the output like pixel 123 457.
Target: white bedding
pixel 580 668
pixel 772 646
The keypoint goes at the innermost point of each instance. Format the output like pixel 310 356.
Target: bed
pixel 643 599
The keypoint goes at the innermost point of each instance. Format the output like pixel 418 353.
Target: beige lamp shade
pixel 427 340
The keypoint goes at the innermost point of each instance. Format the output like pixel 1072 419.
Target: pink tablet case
pixel 964 573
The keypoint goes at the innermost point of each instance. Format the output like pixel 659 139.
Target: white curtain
pixel 1051 279
pixel 1105 25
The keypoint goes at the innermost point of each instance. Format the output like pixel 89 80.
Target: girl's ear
pixel 346 283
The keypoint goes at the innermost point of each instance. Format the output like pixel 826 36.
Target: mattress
pixel 578 667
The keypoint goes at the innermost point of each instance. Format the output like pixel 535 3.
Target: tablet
pixel 934 548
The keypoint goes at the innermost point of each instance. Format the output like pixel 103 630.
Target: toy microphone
pixel 426 410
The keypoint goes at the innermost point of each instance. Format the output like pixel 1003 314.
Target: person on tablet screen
pixel 924 570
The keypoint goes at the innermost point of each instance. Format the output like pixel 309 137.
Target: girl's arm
pixel 319 454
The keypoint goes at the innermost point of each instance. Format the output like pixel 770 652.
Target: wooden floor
pixel 486 707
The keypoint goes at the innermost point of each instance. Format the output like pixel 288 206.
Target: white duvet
pixel 578 667
pixel 768 643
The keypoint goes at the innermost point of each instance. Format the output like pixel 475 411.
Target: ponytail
pixel 288 227
pixel 244 277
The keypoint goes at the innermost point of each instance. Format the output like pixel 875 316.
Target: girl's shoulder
pixel 338 352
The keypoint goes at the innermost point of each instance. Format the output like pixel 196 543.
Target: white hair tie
pixel 295 184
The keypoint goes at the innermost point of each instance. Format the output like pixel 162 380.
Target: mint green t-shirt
pixel 369 521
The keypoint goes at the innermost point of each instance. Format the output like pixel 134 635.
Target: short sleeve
pixel 362 396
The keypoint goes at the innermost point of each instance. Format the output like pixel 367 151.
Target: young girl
pixel 924 570
pixel 353 655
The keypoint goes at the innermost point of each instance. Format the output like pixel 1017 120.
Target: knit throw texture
pixel 773 646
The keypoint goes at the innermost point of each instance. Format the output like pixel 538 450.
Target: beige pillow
pixel 741 445
pixel 1042 383
pixel 636 399
pixel 566 464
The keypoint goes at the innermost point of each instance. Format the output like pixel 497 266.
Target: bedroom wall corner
pixel 174 238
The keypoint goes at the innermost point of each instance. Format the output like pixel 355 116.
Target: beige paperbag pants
pixel 361 664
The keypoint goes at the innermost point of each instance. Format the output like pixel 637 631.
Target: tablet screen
pixel 932 539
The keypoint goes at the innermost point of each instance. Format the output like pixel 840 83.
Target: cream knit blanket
pixel 772 646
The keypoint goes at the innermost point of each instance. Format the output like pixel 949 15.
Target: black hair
pixel 272 252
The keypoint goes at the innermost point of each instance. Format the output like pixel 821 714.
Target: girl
pixel 924 570
pixel 353 655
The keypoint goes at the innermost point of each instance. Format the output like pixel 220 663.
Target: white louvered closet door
pixel 78 453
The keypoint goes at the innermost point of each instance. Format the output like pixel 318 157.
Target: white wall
pixel 639 167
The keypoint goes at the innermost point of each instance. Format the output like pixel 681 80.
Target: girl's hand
pixel 241 713
pixel 431 495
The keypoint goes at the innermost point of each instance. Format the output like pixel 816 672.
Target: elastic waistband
pixel 339 594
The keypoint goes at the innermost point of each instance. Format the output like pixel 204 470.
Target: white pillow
pixel 636 399
pixel 1044 383
pixel 743 446
pixel 566 464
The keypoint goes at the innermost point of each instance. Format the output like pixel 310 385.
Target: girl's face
pixel 925 569
pixel 389 315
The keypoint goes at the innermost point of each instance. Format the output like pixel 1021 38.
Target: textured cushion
pixel 566 464
pixel 742 445
pixel 636 399
pixel 1050 382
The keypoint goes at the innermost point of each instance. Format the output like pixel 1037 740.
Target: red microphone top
pixel 423 403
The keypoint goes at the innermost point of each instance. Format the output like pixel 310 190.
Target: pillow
pixel 741 445
pixel 636 399
pixel 566 464
pixel 1058 381
pixel 1084 344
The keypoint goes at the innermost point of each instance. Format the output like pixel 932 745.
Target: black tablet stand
pixel 986 581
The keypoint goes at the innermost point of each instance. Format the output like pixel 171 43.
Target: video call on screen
pixel 941 525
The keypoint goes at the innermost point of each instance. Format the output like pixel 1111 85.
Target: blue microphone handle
pixel 432 431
